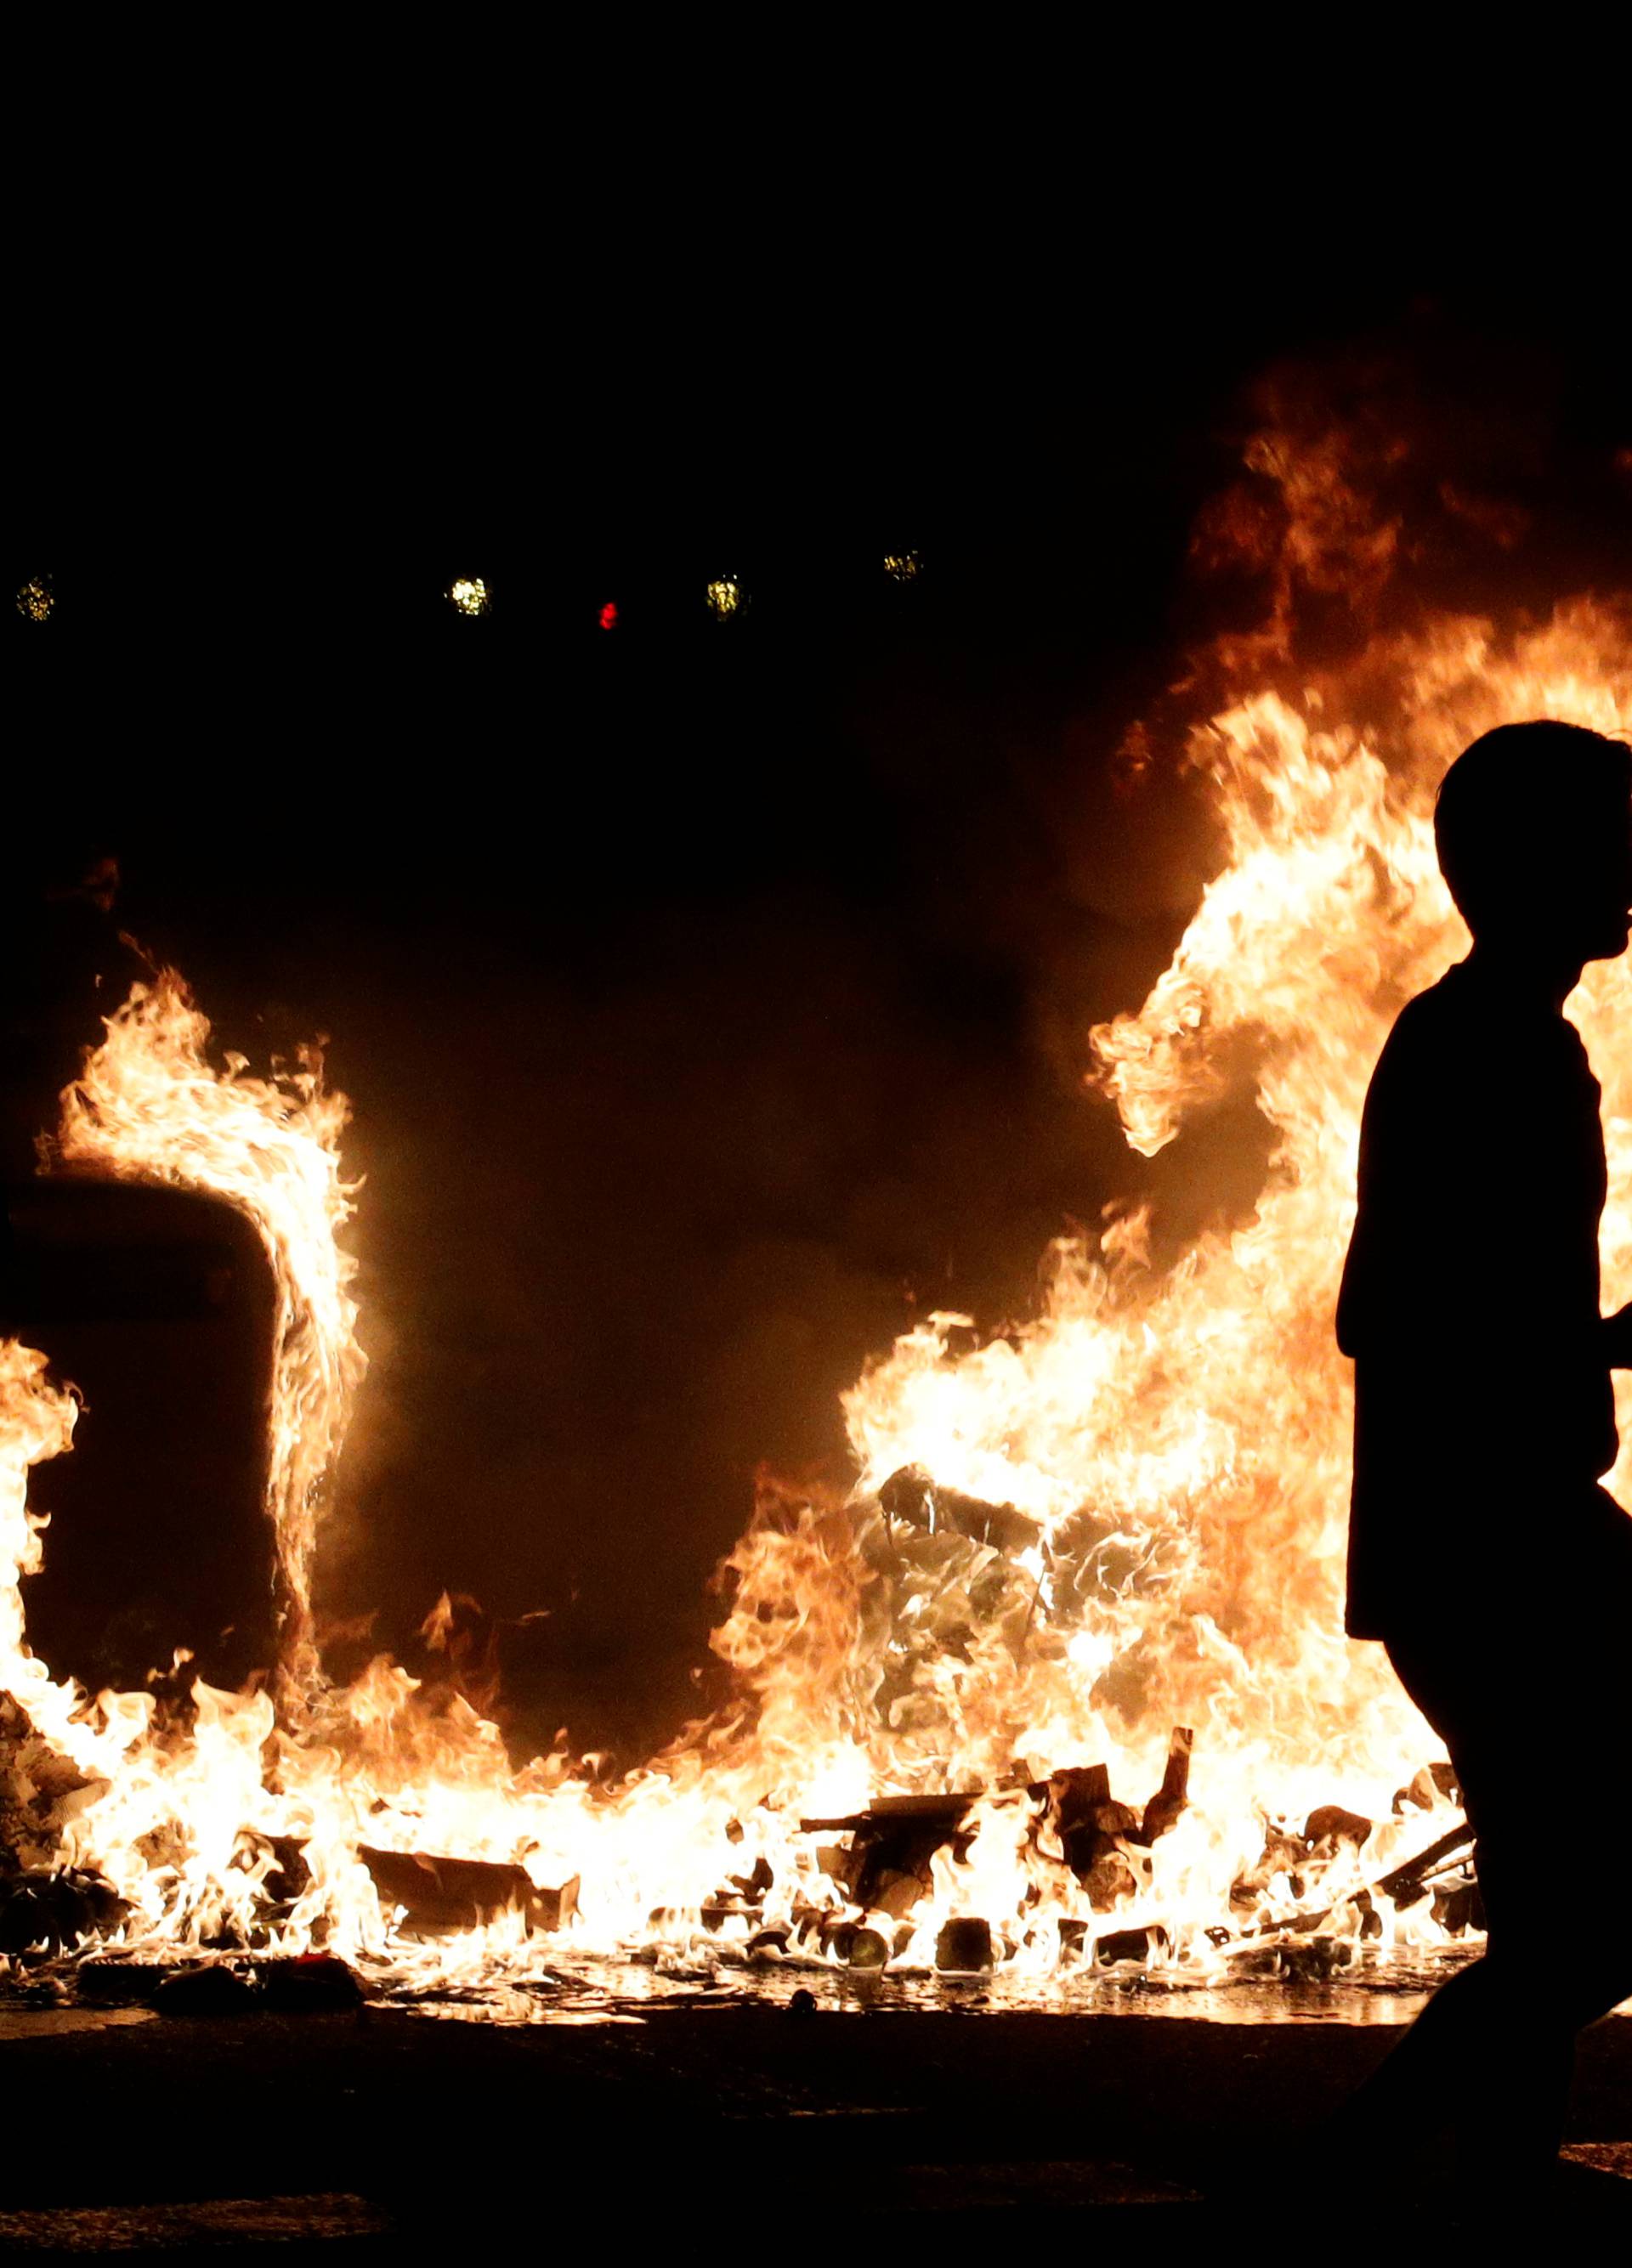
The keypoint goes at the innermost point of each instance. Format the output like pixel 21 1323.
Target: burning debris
pixel 303 1984
pixel 1098 1837
pixel 964 1947
pixel 45 1914
pixel 911 1497
pixel 439 1895
pixel 885 1868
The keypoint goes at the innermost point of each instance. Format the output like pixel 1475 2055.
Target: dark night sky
pixel 712 999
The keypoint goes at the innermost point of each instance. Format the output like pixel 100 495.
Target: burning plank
pixel 1408 1884
pixel 1165 1806
pixel 441 1895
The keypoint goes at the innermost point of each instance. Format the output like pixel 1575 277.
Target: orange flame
pixel 149 1107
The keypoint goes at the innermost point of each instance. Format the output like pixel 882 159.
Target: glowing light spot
pixel 34 600
pixel 725 597
pixel 1091 1651
pixel 609 616
pixel 902 566
pixel 471 597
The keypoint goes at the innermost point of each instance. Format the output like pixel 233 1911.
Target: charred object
pixel 45 1913
pixel 912 1497
pixel 440 1896
pixel 1439 1871
pixel 963 1948
pixel 1411 1882
pixel 1099 1838
pixel 304 1983
pixel 1298 1859
pixel 886 1866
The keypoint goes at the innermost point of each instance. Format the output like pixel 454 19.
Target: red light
pixel 609 616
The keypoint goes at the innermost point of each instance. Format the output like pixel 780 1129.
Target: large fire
pixel 1098 1539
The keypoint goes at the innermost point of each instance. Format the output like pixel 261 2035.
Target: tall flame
pixel 148 1106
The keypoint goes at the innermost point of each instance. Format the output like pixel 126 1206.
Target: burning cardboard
pixel 439 1895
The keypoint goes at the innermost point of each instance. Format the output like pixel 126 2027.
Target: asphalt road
pixel 135 2130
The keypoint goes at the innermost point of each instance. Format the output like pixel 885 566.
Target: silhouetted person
pixel 1482 1552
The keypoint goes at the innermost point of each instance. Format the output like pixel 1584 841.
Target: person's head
pixel 1534 828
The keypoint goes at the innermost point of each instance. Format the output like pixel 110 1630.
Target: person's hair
pixel 1522 804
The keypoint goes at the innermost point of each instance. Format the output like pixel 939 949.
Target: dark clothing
pixel 1483 1409
pixel 1536 1713
pixel 1480 1548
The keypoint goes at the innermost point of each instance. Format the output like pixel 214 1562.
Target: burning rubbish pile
pixel 1058 1686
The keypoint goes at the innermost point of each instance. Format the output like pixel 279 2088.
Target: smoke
pixel 633 1236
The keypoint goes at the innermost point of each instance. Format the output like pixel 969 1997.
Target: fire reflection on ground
pixel 621 1996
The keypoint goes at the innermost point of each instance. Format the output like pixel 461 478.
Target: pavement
pixel 750 2127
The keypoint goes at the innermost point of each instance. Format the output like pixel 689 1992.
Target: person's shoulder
pixel 1438 1024
pixel 1439 1053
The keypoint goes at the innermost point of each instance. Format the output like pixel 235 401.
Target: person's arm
pixel 1404 1277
